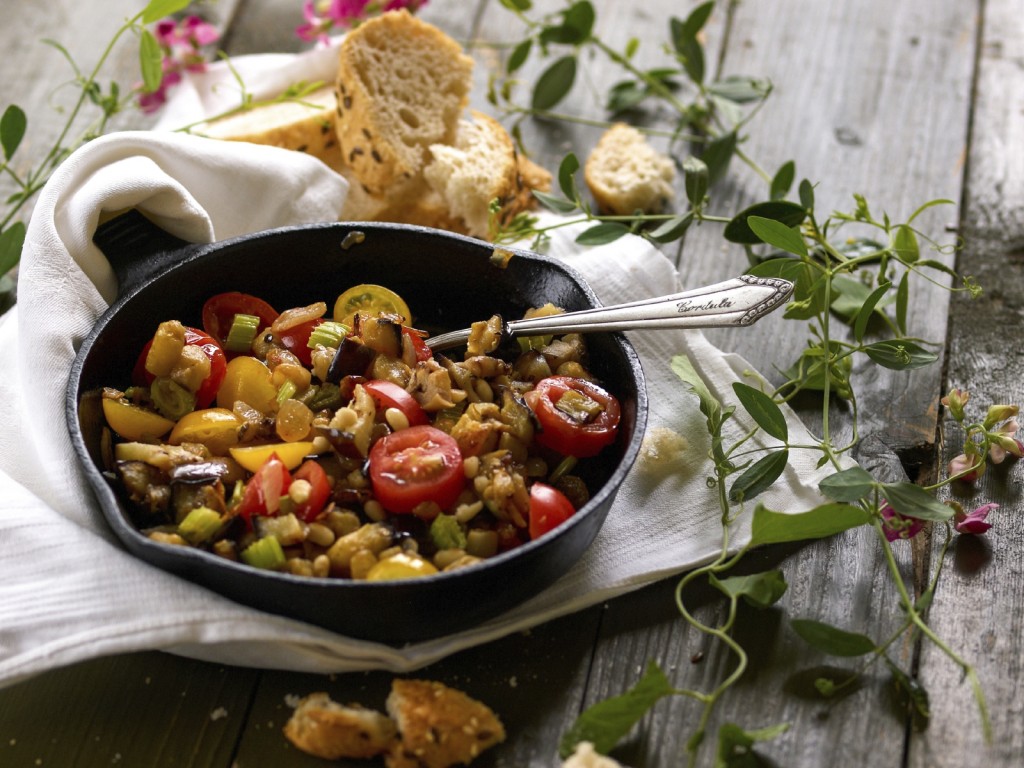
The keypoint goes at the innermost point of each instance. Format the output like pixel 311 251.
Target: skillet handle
pixel 137 248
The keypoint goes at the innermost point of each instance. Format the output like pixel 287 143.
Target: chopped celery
pixel 326 395
pixel 200 524
pixel 171 399
pixel 328 334
pixel 447 533
pixel 265 553
pixel 243 331
pixel 529 343
pixel 565 466
pixel 286 390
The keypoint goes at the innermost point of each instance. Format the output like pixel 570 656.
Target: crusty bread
pixel 625 174
pixel 482 165
pixel 304 125
pixel 326 729
pixel 402 86
pixel 440 726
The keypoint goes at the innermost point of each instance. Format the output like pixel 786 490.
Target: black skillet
pixel 448 281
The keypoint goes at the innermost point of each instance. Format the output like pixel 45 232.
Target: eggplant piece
pixel 352 359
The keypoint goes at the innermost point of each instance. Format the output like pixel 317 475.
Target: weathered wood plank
pixel 979 605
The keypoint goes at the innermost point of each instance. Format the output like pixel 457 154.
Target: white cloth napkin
pixel 68 591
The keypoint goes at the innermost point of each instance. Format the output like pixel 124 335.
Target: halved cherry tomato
pixel 581 425
pixel 218 366
pixel 263 492
pixel 415 465
pixel 549 508
pixel 219 312
pixel 389 395
pixel 423 352
pixel 319 489
pixel 296 340
pixel 369 298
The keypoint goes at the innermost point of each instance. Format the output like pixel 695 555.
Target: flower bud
pixel 955 401
pixel 998 413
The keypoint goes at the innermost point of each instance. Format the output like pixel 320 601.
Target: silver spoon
pixel 737 302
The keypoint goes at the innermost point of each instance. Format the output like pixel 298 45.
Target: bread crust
pixel 326 729
pixel 402 85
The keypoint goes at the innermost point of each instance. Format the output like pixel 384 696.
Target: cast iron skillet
pixel 449 281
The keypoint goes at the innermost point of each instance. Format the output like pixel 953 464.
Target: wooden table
pixel 901 102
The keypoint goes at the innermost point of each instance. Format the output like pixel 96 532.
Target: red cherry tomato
pixel 561 429
pixel 263 492
pixel 296 340
pixel 219 312
pixel 389 395
pixel 319 493
pixel 549 508
pixel 218 366
pixel 415 465
pixel 423 352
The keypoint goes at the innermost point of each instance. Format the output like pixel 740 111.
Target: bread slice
pixel 326 729
pixel 482 165
pixel 303 125
pixel 440 726
pixel 402 86
pixel 625 174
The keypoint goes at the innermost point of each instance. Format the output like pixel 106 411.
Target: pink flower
pixel 972 466
pixel 895 526
pixel 323 15
pixel 1003 442
pixel 181 43
pixel 973 522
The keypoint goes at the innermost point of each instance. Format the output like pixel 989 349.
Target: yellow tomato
pixel 249 380
pixel 134 423
pixel 291 454
pixel 216 428
pixel 400 566
pixel 371 299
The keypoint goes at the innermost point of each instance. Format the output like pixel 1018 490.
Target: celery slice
pixel 328 334
pixel 286 390
pixel 200 524
pixel 243 331
pixel 447 533
pixel 265 553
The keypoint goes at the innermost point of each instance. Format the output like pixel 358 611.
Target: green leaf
pixel 567 176
pixel 556 204
pixel 790 214
pixel 860 324
pixel 910 500
pixel 735 744
pixel 608 721
pixel 783 180
pixel 717 155
pixel 762 410
pixel 12 129
pixel 519 55
pixel 709 404
pixel 904 244
pixel 605 232
pixel 902 302
pixel 761 590
pixel 672 229
pixel 911 695
pixel 575 28
pixel 770 527
pixel 150 61
pixel 848 485
pixel 759 476
pixel 900 354
pixel 695 174
pixel 517 5
pixel 809 286
pixel 686 43
pixel 775 233
pixel 161 9
pixel 554 83
pixel 12 240
pixel 831 640
pixel 925 206
pixel 697 19
pixel 807 195
pixel 740 89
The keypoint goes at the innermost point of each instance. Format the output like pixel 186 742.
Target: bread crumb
pixel 625 174
pixel 586 756
pixel 662 447
pixel 218 714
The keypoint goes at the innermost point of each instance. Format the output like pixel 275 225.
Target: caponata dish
pixel 331 441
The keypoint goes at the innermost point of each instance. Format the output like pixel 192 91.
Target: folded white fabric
pixel 68 591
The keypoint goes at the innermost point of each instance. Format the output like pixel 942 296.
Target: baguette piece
pixel 440 726
pixel 402 86
pixel 482 165
pixel 326 729
pixel 625 174
pixel 305 125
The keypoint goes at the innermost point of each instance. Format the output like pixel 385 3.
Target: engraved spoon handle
pixel 739 301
